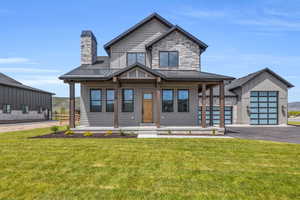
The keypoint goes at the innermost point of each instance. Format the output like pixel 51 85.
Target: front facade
pixel 21 103
pixel 152 77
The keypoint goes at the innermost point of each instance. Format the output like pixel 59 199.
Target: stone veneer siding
pixel 19 115
pixel 88 46
pixel 189 51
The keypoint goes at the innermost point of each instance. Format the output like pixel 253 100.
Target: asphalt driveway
pixel 278 134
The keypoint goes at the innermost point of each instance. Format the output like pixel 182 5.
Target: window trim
pixel 162 101
pixel 168 66
pixel 135 57
pixel 106 99
pixel 24 111
pixel 258 108
pixel 188 100
pixel 100 89
pixel 123 100
pixel 4 108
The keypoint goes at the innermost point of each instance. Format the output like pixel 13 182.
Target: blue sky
pixel 40 39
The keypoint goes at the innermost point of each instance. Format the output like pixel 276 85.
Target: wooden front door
pixel 147 107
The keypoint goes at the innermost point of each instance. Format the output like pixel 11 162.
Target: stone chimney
pixel 88 47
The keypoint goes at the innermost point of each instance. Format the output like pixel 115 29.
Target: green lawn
pixel 146 168
pixel 293 123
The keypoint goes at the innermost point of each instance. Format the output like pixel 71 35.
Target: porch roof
pixel 91 72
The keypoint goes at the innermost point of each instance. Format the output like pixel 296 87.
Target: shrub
pixel 190 132
pixel 169 132
pixel 214 132
pixel 54 129
pixel 108 133
pixel 68 127
pixel 88 134
pixel 122 133
pixel 69 132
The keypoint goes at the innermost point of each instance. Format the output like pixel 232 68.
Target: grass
pixel 293 123
pixel 146 168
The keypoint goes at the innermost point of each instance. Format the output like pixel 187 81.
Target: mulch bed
pixel 80 135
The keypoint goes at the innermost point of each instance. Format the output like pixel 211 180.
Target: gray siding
pixel 135 118
pixel 135 42
pixel 17 97
pixel 263 82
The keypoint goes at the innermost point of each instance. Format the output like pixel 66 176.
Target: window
pixel 127 100
pixel 95 100
pixel 183 100
pixel 6 108
pixel 40 110
pixel 168 59
pixel 110 99
pixel 135 58
pixel 263 107
pixel 167 100
pixel 25 109
pixel 216 114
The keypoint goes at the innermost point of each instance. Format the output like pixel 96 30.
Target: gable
pixel 136 73
pixel 137 39
pixel 160 21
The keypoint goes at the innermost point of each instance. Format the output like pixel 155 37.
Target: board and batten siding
pixel 16 97
pixel 135 118
pixel 135 42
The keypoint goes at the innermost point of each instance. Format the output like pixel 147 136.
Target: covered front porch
pixel 151 110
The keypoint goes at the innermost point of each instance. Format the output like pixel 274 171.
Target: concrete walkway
pixel 27 126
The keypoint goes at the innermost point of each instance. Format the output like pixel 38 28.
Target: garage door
pixel 216 115
pixel 264 108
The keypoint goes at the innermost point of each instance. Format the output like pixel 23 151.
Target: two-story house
pixel 151 78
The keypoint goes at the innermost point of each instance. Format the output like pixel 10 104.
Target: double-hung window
pixel 127 100
pixel 110 99
pixel 6 108
pixel 183 100
pixel 167 100
pixel 134 57
pixel 95 100
pixel 168 59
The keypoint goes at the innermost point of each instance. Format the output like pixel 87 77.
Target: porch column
pixel 203 113
pixel 116 105
pixel 211 104
pixel 222 105
pixel 158 103
pixel 72 105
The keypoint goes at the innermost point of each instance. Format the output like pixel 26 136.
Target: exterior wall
pixel 135 118
pixel 17 97
pixel 17 115
pixel 264 82
pixel 189 51
pixel 135 42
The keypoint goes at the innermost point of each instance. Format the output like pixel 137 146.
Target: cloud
pixel 280 13
pixel 271 22
pixel 28 70
pixel 14 60
pixel 40 80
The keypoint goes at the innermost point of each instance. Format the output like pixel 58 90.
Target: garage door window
pixel 216 115
pixel 264 108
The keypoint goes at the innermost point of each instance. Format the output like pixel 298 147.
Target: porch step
pixel 147 124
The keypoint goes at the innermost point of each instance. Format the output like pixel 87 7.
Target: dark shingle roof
pixel 8 81
pixel 181 30
pixel 133 28
pixel 91 72
pixel 241 81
